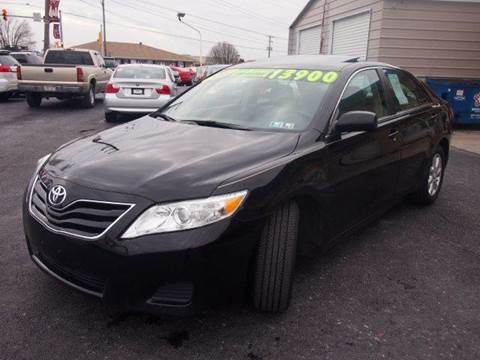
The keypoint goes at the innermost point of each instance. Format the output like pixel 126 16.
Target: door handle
pixel 393 134
pixel 436 106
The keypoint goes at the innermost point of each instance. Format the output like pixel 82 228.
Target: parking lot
pixel 406 287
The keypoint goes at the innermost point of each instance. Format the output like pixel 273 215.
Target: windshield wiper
pixel 217 124
pixel 97 139
pixel 163 116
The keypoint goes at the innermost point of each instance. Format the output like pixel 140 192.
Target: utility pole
pixel 269 47
pixel 46 27
pixel 104 30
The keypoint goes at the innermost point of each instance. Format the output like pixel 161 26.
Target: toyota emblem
pixel 57 195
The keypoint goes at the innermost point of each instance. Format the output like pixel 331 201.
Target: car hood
pixel 164 161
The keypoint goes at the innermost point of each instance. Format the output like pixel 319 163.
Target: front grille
pixel 87 219
pixel 78 277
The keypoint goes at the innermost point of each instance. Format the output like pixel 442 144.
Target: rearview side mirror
pixel 356 121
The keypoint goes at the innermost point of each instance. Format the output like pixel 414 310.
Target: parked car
pixel 65 74
pixel 111 63
pixel 138 88
pixel 207 70
pixel 221 188
pixel 27 57
pixel 185 75
pixel 8 75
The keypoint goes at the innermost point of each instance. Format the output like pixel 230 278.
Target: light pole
pixel 104 30
pixel 182 15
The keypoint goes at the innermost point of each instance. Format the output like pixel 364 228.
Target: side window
pixel 407 94
pixel 364 93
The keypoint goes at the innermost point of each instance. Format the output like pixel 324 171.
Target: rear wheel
pixel 432 179
pixel 88 100
pixel 111 117
pixel 5 96
pixel 275 260
pixel 33 100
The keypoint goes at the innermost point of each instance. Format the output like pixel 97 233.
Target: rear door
pixel 415 113
pixel 364 165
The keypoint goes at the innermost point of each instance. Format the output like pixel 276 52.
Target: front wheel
pixel 33 100
pixel 432 179
pixel 275 260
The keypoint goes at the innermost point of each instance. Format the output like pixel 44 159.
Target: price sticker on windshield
pixel 313 76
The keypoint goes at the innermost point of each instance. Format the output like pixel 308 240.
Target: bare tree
pixel 15 35
pixel 224 53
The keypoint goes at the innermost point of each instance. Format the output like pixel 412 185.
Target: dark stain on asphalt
pixel 177 338
pixel 118 319
pixel 406 285
pixel 253 356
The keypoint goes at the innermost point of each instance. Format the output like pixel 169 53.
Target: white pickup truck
pixel 65 74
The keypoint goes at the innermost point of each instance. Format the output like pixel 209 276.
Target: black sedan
pixel 215 194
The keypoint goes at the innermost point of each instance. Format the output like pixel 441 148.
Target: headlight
pixel 185 215
pixel 41 162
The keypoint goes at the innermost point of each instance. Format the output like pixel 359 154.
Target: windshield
pixel 139 72
pixel 68 57
pixel 7 60
pixel 256 98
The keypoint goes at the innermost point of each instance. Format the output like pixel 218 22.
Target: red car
pixel 185 75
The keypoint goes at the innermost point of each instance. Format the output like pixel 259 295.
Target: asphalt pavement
pixel 406 287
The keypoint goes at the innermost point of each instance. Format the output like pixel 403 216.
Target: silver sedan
pixel 138 88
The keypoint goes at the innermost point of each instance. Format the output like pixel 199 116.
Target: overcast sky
pixel 146 20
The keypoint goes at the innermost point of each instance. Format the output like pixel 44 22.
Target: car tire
pixel 111 117
pixel 432 179
pixel 275 260
pixel 5 96
pixel 88 101
pixel 33 100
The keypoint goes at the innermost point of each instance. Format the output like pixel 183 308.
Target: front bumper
pixel 172 273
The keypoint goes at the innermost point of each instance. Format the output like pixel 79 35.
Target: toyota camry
pixel 218 191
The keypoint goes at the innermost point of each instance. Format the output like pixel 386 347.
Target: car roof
pixel 72 49
pixel 141 65
pixel 22 53
pixel 331 62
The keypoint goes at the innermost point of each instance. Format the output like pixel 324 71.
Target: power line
pixel 212 21
pixel 189 14
pixel 228 34
pixel 247 12
pixel 143 28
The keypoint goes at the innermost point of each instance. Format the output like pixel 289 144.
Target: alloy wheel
pixel 435 175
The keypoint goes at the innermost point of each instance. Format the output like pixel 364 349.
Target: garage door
pixel 350 36
pixel 309 41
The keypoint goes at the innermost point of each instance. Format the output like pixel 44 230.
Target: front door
pixel 364 165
